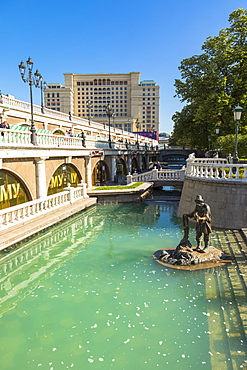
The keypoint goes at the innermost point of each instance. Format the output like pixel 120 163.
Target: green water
pixel 86 294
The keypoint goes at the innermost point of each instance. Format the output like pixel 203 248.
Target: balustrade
pixel 157 175
pixel 216 170
pixel 26 211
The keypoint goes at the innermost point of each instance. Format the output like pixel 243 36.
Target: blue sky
pixel 82 36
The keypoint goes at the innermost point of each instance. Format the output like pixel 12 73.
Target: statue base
pixel 188 257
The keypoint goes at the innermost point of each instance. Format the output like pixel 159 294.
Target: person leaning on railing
pixel 5 125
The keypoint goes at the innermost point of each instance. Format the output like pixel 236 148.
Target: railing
pixel 19 138
pixel 214 170
pixel 18 214
pixel 157 175
pixel 64 119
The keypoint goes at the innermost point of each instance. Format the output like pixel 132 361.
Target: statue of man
pixel 202 215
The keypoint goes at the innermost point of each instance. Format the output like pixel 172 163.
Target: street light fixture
pixel 89 107
pixel 31 79
pixel 109 113
pixel 217 130
pixel 137 127
pixel 43 86
pixel 237 111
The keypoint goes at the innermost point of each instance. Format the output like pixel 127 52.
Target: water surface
pixel 86 294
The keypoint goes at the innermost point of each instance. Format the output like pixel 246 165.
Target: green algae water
pixel 86 294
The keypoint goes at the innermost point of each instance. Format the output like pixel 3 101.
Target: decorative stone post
pixel 155 173
pixel 84 189
pixel 41 191
pixel 129 179
pixel 71 191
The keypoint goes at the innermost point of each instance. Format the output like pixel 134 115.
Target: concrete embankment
pixel 122 195
pixel 227 200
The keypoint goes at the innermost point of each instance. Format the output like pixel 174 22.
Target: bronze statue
pixel 202 216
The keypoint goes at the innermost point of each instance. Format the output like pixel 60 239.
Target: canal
pixel 86 294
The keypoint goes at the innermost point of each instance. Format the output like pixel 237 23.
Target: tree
pixel 213 83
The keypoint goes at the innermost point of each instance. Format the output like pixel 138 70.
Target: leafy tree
pixel 212 84
pixel 227 144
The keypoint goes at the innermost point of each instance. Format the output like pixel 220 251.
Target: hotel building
pixel 135 103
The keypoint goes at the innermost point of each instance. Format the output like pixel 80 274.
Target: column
pixel 113 167
pixel 88 172
pixel 147 161
pixel 129 164
pixel 139 158
pixel 41 191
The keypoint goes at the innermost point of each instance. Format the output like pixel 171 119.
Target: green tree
pixel 212 84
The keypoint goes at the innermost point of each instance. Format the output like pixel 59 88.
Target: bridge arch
pixel 13 189
pixel 121 168
pixel 66 173
pixel 100 173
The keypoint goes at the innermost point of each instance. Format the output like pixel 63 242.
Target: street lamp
pixel 109 113
pixel 137 127
pixel 31 79
pixel 89 107
pixel 237 111
pixel 43 86
pixel 217 130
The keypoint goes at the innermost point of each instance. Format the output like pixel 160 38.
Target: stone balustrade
pixel 18 214
pixel 18 138
pixel 216 169
pixel 50 118
pixel 157 175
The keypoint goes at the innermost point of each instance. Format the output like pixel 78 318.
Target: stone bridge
pixel 159 177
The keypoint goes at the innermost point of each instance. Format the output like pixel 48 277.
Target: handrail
pixel 11 137
pixel 157 175
pixel 217 171
pixel 82 123
pixel 23 212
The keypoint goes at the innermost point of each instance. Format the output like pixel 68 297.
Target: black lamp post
pixel 109 113
pixel 137 127
pixel 31 79
pixel 89 107
pixel 43 86
pixel 237 111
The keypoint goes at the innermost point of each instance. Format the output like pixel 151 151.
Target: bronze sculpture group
pixel 185 254
pixel 202 216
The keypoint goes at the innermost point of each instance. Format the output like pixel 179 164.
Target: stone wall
pixel 227 199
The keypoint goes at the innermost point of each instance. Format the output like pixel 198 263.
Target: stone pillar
pixel 113 167
pixel 147 161
pixel 41 191
pixel 140 161
pixel 129 164
pixel 84 189
pixel 71 191
pixel 129 179
pixel 88 172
